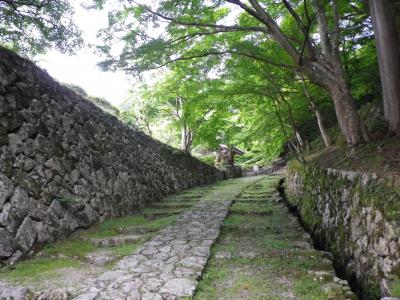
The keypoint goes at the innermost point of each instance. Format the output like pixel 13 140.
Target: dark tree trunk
pixel 346 113
pixel 387 38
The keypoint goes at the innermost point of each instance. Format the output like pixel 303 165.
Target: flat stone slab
pixel 169 265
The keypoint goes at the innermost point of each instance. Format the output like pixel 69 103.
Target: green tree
pixel 306 34
pixel 178 99
pixel 33 26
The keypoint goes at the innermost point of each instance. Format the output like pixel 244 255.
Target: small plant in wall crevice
pixel 67 200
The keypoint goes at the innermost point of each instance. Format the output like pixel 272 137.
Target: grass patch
pixel 305 288
pixel 72 248
pixel 207 289
pixel 273 220
pixel 109 228
pixel 241 207
pixel 37 268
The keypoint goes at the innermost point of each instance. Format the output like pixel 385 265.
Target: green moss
pixel 294 165
pixel 67 200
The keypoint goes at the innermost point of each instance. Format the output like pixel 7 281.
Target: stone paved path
pixel 169 265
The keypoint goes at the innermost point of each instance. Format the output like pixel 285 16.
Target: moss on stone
pixel 311 188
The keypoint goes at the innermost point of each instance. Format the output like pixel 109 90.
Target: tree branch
pixel 207 25
pixel 322 26
pixel 275 30
pixel 336 28
pixel 217 53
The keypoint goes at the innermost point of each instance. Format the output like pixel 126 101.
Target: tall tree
pixel 193 22
pixel 176 98
pixel 387 44
pixel 32 26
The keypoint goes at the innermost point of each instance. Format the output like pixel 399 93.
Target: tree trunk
pixel 186 139
pixel 346 114
pixel 387 38
pixel 329 73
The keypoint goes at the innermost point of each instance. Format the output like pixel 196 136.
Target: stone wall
pixel 356 216
pixel 65 164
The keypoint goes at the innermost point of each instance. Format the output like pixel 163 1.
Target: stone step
pixel 252 213
pixel 159 215
pixel 243 254
pixel 255 201
pixel 249 229
pixel 134 229
pixel 117 240
pixel 171 205
pixel 101 258
pixel 188 196
pixel 251 197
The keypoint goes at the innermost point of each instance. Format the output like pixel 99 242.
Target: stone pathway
pixel 169 265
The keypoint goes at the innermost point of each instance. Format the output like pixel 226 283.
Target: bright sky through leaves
pixel 81 68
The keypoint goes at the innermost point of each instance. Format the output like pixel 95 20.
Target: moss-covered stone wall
pixel 356 216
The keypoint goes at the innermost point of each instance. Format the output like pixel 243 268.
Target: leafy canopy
pixel 33 26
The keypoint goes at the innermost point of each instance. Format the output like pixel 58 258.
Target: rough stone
pixel 6 189
pixel 6 244
pixel 179 287
pixel 26 235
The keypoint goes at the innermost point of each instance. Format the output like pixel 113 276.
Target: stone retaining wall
pixel 65 164
pixel 356 216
